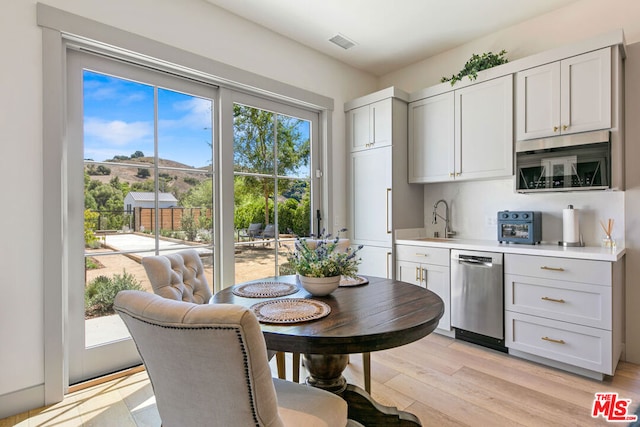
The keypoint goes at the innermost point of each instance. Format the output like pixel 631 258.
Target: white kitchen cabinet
pixel 563 97
pixel 565 311
pixel 428 268
pixel 431 138
pixel 370 126
pixel 376 261
pixel 379 197
pixel 464 134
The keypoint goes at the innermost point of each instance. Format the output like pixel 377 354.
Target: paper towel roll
pixel 570 225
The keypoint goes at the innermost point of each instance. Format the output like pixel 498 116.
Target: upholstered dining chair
pixel 207 364
pixel 180 276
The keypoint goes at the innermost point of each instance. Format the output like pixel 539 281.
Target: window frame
pixel 61 31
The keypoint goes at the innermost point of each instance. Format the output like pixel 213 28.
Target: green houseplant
pixel 322 258
pixel 477 63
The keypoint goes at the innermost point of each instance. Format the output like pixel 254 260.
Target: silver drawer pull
pixel 552 340
pixel 544 267
pixel 553 300
pixel 421 254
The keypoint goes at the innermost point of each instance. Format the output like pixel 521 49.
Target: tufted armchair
pixel 208 367
pixel 179 276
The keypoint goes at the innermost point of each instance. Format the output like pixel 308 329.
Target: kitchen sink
pixel 437 239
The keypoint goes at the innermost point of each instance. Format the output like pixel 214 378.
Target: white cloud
pixel 116 132
pixel 197 114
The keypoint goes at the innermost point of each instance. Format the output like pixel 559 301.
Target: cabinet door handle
pixel 423 274
pixel 389 231
pixel 458 173
pixel 421 254
pixel 418 277
pixel 565 127
pixel 544 267
pixel 451 174
pixel 552 340
pixel 555 128
pixel 553 300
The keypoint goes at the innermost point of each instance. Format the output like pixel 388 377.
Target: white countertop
pixel 595 253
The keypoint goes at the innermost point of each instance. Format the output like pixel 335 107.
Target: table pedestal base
pixel 325 372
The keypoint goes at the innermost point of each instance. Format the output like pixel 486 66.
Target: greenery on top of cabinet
pixel 478 63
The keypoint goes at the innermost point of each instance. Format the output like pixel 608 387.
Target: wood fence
pixel 144 219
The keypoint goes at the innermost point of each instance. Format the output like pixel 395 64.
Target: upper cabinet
pixel 370 126
pixel 463 134
pixel 568 96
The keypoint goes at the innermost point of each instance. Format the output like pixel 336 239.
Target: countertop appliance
pixel 477 297
pixel 564 163
pixel 520 227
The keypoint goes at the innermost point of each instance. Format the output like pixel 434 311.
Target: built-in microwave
pixel 564 163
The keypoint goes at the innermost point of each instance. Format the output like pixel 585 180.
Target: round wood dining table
pixel 378 315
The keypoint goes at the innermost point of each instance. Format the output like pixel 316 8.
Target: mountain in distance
pixel 129 173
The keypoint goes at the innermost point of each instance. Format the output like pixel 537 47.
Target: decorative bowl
pixel 319 286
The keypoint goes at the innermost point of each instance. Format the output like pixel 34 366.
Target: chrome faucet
pixel 447 226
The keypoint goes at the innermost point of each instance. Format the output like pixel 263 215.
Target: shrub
pixel 90 225
pixel 101 291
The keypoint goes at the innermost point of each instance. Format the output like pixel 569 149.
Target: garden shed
pixel 138 199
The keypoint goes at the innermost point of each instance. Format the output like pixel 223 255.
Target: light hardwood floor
pixel 443 381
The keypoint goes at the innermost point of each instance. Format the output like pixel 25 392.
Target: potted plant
pixel 320 263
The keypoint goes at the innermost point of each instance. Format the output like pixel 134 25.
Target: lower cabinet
pixel 376 261
pixel 429 268
pixel 564 310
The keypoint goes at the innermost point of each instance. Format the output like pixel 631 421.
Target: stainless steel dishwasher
pixel 477 297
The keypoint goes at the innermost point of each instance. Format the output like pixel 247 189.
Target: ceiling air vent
pixel 342 41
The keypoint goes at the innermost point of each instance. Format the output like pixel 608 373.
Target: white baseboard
pixel 21 401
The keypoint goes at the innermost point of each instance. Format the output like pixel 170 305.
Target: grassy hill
pixel 180 176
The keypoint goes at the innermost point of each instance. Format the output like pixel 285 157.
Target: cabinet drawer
pixel 588 348
pixel 573 270
pixel 423 254
pixel 579 303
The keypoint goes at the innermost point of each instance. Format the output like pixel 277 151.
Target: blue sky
pixel 119 120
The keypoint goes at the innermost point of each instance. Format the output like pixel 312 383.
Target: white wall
pixel 578 21
pixel 474 201
pixel 192 25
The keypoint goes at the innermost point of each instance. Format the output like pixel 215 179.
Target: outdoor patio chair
pixel 207 364
pixel 180 276
pixel 269 232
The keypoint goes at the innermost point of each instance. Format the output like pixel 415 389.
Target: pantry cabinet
pixel 464 134
pixel 429 268
pixel 567 311
pixel 568 96
pixel 379 197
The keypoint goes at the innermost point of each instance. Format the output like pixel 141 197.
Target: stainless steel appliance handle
pixel 474 262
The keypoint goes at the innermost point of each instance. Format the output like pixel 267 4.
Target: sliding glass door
pixel 140 181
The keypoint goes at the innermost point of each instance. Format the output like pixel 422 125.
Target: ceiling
pixel 389 34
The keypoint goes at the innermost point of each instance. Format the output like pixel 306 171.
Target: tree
pixel 254 149
pixel 143 173
pixel 137 154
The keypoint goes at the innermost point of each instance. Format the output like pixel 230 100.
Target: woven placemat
pixel 353 281
pixel 264 289
pixel 290 310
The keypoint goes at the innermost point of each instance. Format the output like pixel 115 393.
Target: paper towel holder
pixel 579 243
pixel 572 244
